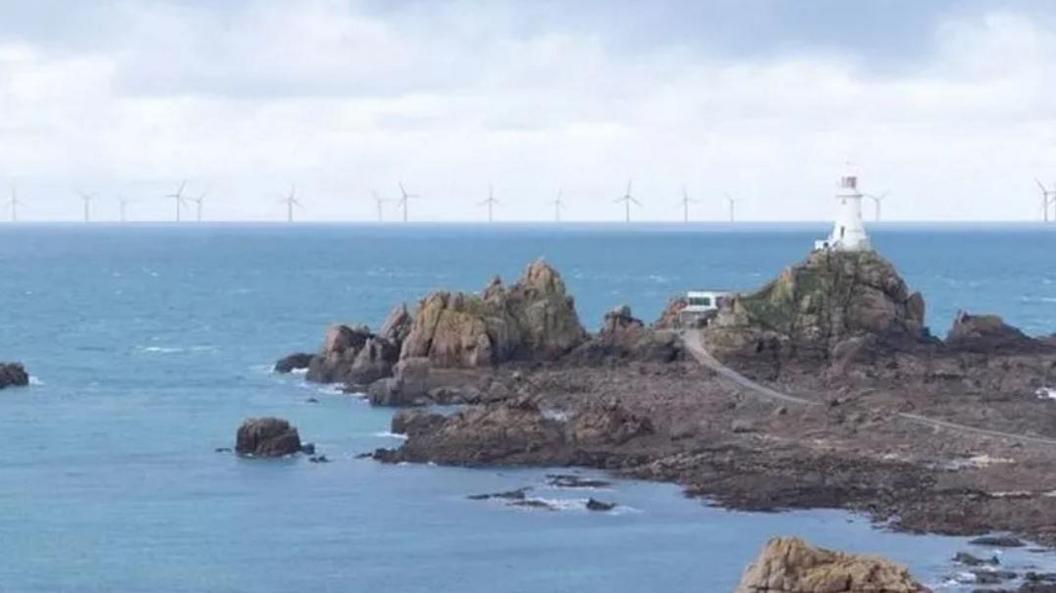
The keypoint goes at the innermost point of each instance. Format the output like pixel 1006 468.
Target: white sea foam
pixel 298 371
pixel 178 349
pixel 391 435
pixel 35 381
pixel 1045 393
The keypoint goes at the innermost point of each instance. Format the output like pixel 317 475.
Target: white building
pixel 848 231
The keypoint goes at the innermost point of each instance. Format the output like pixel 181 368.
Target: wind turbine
pixel 686 201
pixel 558 204
pixel 627 200
pixel 731 202
pixel 291 201
pixel 124 205
pixel 404 198
pixel 87 197
pixel 178 198
pixel 379 202
pixel 1047 197
pixel 198 205
pixel 490 202
pixel 877 199
pixel 13 203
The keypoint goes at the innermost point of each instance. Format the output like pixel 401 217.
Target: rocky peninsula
pixel 873 412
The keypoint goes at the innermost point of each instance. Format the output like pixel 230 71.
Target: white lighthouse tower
pixel 848 231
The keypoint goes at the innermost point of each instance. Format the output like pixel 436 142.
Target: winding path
pixel 695 346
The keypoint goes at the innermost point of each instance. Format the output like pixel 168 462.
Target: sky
pixel 949 106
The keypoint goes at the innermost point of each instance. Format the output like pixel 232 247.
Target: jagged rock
pixel 620 319
pixel 532 320
pixel 267 437
pixel 13 374
pixel 397 325
pixel 790 565
pixel 987 334
pixel 292 362
pixel 671 316
pixel 814 306
pixel 352 355
pixel 624 337
pixel 972 560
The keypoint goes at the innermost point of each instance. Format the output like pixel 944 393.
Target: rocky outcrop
pixel 790 565
pixel 624 337
pixel 293 362
pixel 535 319
pixel 517 432
pixel 988 334
pixel 397 325
pixel 267 437
pixel 671 316
pixel 353 355
pixel 816 305
pixel 13 374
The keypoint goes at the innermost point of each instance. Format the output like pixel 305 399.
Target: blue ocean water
pixel 149 344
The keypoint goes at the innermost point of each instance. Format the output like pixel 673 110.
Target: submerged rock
pixel 574 481
pixel 267 437
pixel 790 565
pixel 535 319
pixel 518 494
pixel 13 374
pixel 599 505
pixel 998 541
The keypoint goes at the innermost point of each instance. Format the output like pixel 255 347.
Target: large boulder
pixel 267 437
pixel 13 374
pixel 988 334
pixel 814 306
pixel 535 319
pixel 790 565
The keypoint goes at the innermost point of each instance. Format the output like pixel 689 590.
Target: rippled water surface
pixel 149 344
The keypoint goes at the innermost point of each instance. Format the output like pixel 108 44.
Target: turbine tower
pixel 627 200
pixel 404 198
pixel 558 205
pixel 198 205
pixel 13 203
pixel 1047 197
pixel 124 205
pixel 178 198
pixel 686 201
pixel 291 201
pixel 379 202
pixel 87 198
pixel 490 202
pixel 731 202
pixel 877 201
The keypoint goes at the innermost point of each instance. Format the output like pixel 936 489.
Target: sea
pixel 148 345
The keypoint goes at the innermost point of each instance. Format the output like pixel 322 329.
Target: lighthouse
pixel 848 231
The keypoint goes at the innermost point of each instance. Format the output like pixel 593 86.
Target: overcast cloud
pixel 949 105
